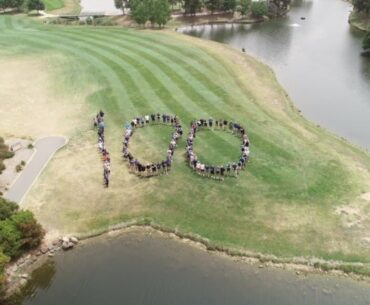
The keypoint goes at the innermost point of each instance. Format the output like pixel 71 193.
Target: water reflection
pixel 317 60
pixel 142 268
pixel 41 280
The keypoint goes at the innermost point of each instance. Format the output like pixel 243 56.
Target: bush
pixel 18 168
pixel 7 208
pixel 3 261
pixel 20 233
pixel 10 238
pixel 259 8
pixel 31 231
pixel 30 146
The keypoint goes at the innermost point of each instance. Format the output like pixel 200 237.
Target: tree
pixel 259 8
pixel 212 5
pixel 244 6
pixel 17 4
pixel 192 6
pixel 121 4
pixel 35 5
pixel 229 5
pixel 366 41
pixel 161 12
pixel 140 11
pixel 5 4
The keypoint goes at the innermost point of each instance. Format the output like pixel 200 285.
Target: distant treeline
pixel 159 11
pixel 19 5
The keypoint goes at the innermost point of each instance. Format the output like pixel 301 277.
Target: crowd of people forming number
pixel 100 125
pixel 151 169
pixel 154 169
pixel 217 172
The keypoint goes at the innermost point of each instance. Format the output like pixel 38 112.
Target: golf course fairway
pixel 304 193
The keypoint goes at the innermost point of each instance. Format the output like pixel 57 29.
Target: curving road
pixel 45 149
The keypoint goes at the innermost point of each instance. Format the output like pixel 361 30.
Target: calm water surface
pixel 138 268
pixel 317 60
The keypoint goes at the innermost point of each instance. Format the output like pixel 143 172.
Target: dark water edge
pixel 149 268
pixel 317 60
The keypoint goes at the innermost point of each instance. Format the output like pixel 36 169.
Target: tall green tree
pixel 229 5
pixel 192 6
pixel 35 5
pixel 161 12
pixel 244 6
pixel 259 8
pixel 17 4
pixel 140 11
pixel 366 41
pixel 5 4
pixel 121 4
pixel 212 5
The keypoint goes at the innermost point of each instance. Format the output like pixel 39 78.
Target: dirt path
pixel 45 149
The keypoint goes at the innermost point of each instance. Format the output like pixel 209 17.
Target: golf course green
pixel 305 192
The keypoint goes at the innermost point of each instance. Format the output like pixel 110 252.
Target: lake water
pixel 96 6
pixel 317 60
pixel 141 268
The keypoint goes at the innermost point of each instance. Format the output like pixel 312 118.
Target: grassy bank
pixel 62 6
pixel 304 193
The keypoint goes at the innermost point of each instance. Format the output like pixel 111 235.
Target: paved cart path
pixel 45 149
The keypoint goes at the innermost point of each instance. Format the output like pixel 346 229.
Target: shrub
pixel 23 163
pixel 10 238
pixel 259 8
pixel 31 231
pixel 7 208
pixel 18 168
pixel 3 261
pixel 30 146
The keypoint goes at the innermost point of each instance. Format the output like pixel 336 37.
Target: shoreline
pixel 300 265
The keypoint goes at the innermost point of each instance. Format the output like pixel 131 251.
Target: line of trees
pixel 159 11
pixel 31 5
pixel 19 232
pixel 257 8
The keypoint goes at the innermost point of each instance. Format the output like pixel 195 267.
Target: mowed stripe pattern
pixel 292 172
